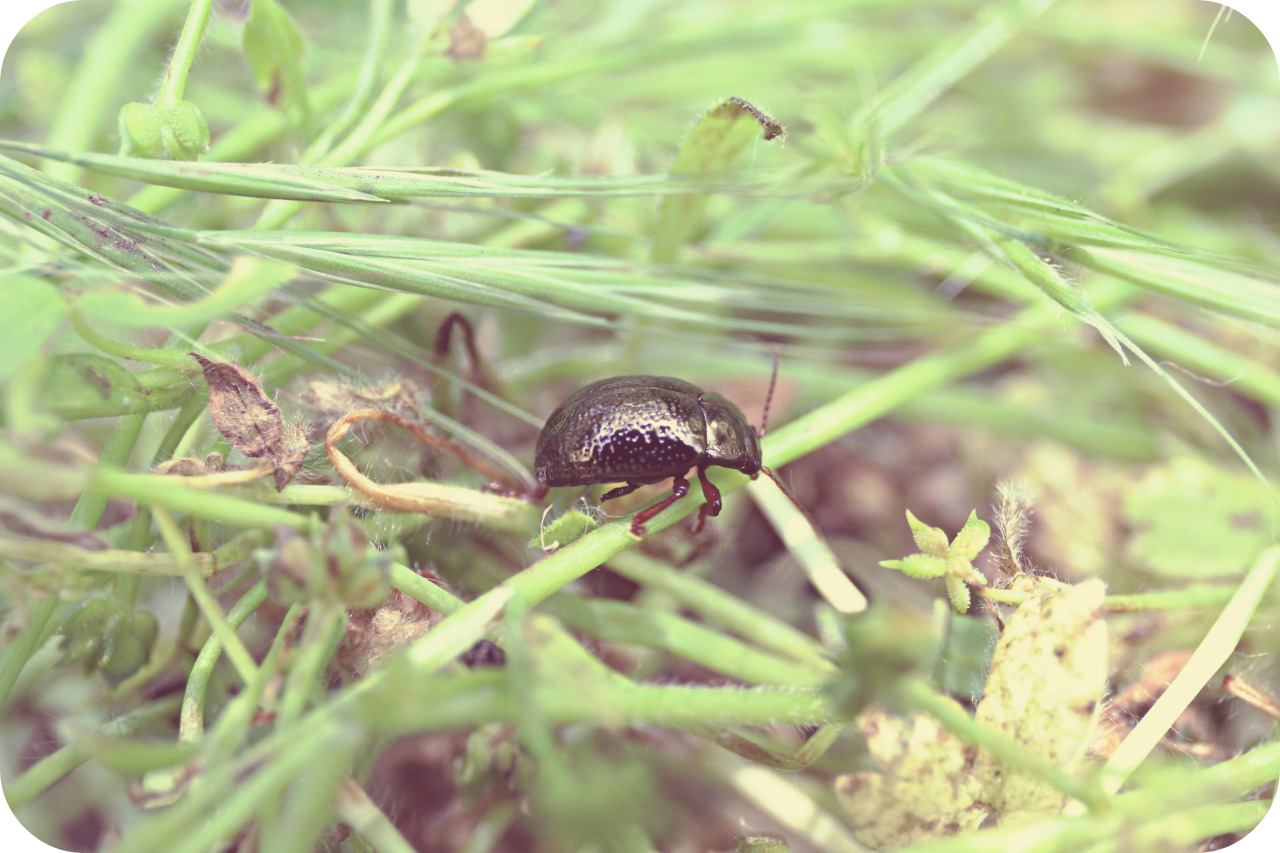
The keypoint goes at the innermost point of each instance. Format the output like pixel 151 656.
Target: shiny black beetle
pixel 643 429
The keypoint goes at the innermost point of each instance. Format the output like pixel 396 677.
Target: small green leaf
pixel 919 566
pixel 930 540
pixel 273 47
pixel 958 592
pixel 972 538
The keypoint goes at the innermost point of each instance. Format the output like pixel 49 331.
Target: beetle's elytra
pixel 643 429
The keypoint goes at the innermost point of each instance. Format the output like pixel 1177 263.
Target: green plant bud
pixel 960 568
pixel 82 631
pixel 103 636
pixel 186 135
pixel 128 645
pixel 163 131
pixel 141 131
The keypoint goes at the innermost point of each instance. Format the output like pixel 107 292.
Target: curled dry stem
pixel 435 499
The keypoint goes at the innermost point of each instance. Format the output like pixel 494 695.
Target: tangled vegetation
pixel 291 288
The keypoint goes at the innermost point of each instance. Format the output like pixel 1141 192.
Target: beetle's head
pixel 731 441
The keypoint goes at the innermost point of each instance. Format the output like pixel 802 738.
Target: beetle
pixel 639 430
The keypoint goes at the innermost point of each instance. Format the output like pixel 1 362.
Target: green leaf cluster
pixel 952 561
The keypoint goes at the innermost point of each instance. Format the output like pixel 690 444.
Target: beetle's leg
pixel 620 491
pixel 679 488
pixel 711 500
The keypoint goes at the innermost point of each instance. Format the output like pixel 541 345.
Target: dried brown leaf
pixel 251 420
pixel 241 411
pixel 293 452
pixel 188 467
pixel 372 633
pixel 337 398
pixel 770 127
pixel 467 42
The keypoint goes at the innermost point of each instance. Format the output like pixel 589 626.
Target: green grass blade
pixel 372 184
pixel 914 90
pixel 1214 650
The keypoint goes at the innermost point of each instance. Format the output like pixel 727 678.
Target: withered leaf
pixel 769 126
pixel 292 453
pixel 336 398
pixel 251 420
pixel 241 411
pixel 467 42
pixel 184 466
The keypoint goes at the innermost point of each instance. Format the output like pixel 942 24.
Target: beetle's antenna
pixel 768 472
pixel 768 397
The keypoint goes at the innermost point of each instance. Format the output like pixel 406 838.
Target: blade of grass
pixel 1018 254
pixel 372 184
pixel 618 622
pixel 1242 374
pixel 240 658
pixel 919 86
pixel 721 608
pixel 1213 651
pixel 808 547
pixel 98 76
